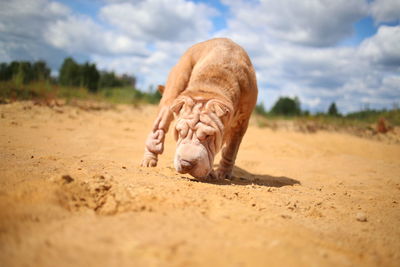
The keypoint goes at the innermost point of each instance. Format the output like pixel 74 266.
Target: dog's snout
pixel 187 165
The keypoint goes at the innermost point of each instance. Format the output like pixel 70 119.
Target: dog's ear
pixel 219 108
pixel 161 88
pixel 181 102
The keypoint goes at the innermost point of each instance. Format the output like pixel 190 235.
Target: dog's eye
pixel 202 135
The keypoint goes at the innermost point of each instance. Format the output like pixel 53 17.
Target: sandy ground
pixel 72 194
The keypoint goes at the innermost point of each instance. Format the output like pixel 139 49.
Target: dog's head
pixel 199 132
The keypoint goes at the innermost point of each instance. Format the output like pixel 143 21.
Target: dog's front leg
pixel 230 151
pixel 155 140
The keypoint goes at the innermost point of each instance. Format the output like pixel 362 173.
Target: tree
pixel 286 106
pixel 23 73
pixel 74 74
pixel 332 111
pixel 5 72
pixel 69 73
pixel 260 109
pixel 89 76
pixel 40 71
pixel 110 80
pixel 129 80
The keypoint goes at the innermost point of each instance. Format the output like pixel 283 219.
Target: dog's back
pixel 221 67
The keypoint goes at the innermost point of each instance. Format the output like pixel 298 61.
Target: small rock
pixel 67 178
pixel 285 216
pixel 361 217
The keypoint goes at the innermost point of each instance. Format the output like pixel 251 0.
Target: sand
pixel 72 194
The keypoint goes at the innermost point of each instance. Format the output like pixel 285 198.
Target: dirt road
pixel 72 194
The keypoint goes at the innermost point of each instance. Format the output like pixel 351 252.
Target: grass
pixel 45 90
pixel 363 123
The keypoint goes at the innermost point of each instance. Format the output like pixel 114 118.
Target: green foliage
pixel 69 74
pixel 23 72
pixel 24 80
pixel 260 109
pixel 11 90
pixel 110 80
pixel 333 111
pixel 286 106
pixel 5 72
pixel 128 95
pixel 89 77
pixel 40 71
pixel 372 116
pixel 74 74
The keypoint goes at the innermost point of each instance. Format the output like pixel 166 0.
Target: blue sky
pixel 347 51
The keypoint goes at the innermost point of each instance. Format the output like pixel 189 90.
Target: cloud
pixel 173 20
pixel 80 34
pixel 384 47
pixel 385 10
pixel 314 69
pixel 22 25
pixel 145 38
pixel 150 70
pixel 308 22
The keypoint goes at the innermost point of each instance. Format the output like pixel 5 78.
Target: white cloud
pixel 317 75
pixel 385 10
pixel 150 70
pixel 80 34
pixel 39 8
pixel 384 47
pixel 144 38
pixel 308 22
pixel 173 20
pixel 22 25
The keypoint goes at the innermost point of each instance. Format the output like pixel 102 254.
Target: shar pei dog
pixel 211 92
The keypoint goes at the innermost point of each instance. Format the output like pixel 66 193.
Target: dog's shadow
pixel 243 177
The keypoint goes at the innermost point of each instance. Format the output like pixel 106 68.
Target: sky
pixel 322 51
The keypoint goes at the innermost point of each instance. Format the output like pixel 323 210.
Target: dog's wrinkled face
pixel 199 133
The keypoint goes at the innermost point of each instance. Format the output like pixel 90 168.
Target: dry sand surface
pixel 72 194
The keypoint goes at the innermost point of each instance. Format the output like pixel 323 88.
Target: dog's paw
pixel 149 159
pixel 149 162
pixel 223 174
pixel 212 176
pixel 219 175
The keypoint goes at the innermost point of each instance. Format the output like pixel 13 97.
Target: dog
pixel 211 92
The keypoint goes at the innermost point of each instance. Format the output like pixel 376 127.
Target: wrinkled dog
pixel 211 92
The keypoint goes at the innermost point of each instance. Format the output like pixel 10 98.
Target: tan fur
pixel 212 91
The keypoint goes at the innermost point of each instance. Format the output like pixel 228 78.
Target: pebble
pixel 285 216
pixel 361 217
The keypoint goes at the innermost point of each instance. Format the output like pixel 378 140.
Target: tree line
pixel 286 106
pixel 24 71
pixel 70 74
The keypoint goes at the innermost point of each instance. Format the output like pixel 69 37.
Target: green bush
pixel 286 106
